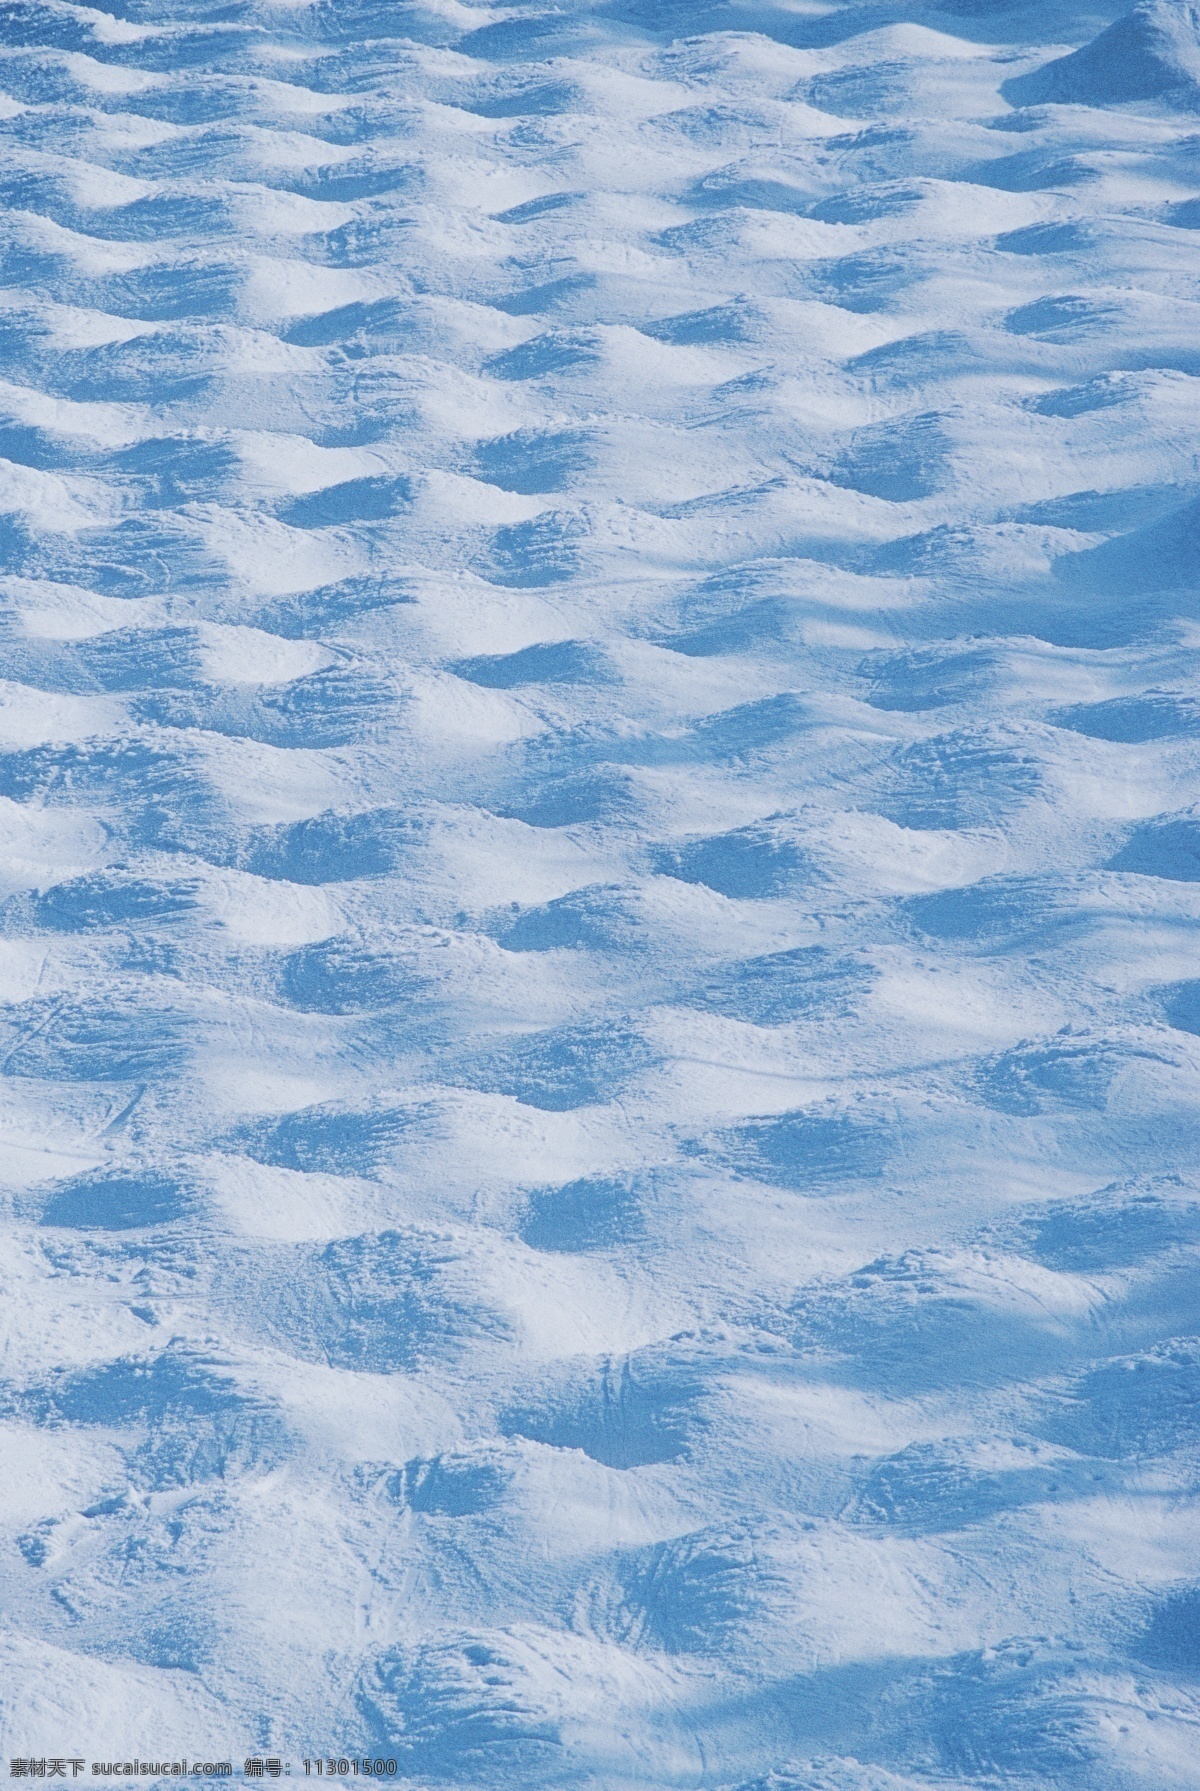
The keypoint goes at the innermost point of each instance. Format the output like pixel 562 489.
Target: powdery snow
pixel 600 792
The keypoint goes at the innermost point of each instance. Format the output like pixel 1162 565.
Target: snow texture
pixel 600 793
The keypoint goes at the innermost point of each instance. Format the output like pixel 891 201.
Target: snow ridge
pixel 601 800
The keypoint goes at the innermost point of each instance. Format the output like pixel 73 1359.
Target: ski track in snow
pixel 599 785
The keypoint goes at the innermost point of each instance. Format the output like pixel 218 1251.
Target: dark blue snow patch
pixel 1067 236
pixel 152 793
pixel 180 1417
pixel 368 326
pixel 625 1412
pixel 873 280
pixel 865 204
pixel 378 35
pixel 546 662
pixel 561 1069
pixel 452 1484
pixel 1133 720
pixel 215 41
pixel 712 122
pixel 26 340
pixel 1181 1005
pixel 335 1140
pixel 556 351
pixel 901 460
pixel 168 471
pixel 543 551
pixel 601 796
pixel 547 99
pixel 1069 318
pixel 165 216
pixel 948 551
pixel 333 847
pixel 29 24
pixel 170 365
pixel 998 913
pixel 533 462
pixel 332 610
pixel 809 1152
pixel 122 1036
pixel 738 321
pixel 464 1708
pixel 1183 216
pixel 372 81
pixel 114 898
pixel 1024 1710
pixel 1032 171
pixel 730 188
pixel 37 78
pixel 745 731
pixel 1049 1075
pixel 538 37
pixel 128 659
pixel 564 294
pixel 1117 1228
pixel 911 360
pixel 929 1488
pixel 756 863
pixel 180 1634
pixel 379 234
pixel 40 446
pixel 1131 1407
pixel 533 209
pixel 809 983
pixel 368 177
pixel 132 1389
pixel 140 556
pixel 356 500
pixel 1170 1640
pixel 1100 512
pixel 1105 392
pixel 729 736
pixel 596 1213
pixel 599 917
pixel 1169 849
pixel 339 704
pixel 876 89
pixel 190 288
pixel 1152 53
pixel 740 609
pixel 344 976
pixel 34 1545
pixel 907 1325
pixel 1163 555
pixel 920 678
pixel 382 1303
pixel 30 444
pixel 735 500
pixel 698 1594
pixel 126 1199
pixel 957 780
pixel 360 406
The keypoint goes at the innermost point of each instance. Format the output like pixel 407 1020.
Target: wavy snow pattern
pixel 601 791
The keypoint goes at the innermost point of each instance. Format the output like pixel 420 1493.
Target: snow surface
pixel 600 798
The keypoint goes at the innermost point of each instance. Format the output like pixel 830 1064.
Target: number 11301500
pixel 344 1769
